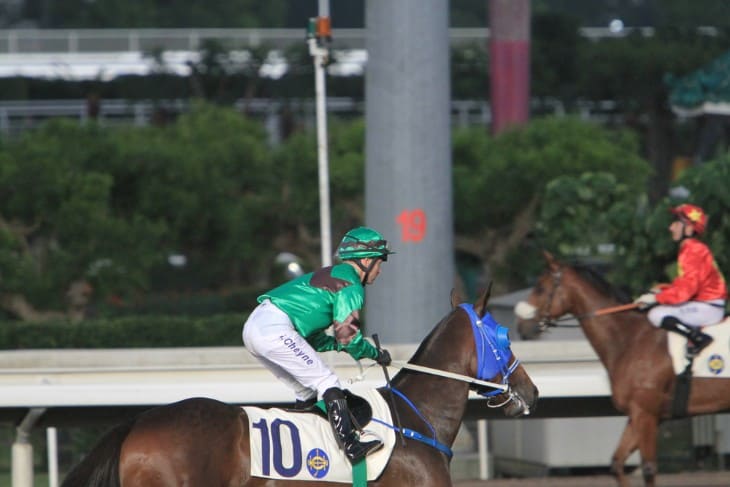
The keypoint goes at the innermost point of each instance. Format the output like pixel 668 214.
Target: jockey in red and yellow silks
pixel 698 277
pixel 697 295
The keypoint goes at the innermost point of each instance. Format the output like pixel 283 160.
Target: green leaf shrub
pixel 142 331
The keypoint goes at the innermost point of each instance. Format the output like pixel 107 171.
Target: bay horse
pixel 634 353
pixel 202 442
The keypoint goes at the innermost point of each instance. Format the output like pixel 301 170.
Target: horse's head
pixel 495 362
pixel 547 301
pixel 563 289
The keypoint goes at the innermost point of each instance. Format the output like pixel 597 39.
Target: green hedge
pixel 182 304
pixel 126 332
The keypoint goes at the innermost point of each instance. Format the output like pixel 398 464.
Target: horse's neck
pixel 439 400
pixel 607 334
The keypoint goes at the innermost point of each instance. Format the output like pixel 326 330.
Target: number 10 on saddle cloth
pixel 301 446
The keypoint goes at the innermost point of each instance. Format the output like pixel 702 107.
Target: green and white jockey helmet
pixel 363 243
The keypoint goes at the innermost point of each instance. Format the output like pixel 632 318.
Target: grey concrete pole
pixel 408 195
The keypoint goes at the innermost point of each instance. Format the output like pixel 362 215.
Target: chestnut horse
pixel 634 353
pixel 205 443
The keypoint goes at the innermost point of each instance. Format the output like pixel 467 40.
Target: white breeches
pixel 691 313
pixel 270 337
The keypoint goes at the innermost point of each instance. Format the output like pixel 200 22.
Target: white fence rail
pixel 113 40
pixel 59 378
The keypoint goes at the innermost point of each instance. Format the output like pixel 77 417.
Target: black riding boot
pixel 300 405
pixel 346 435
pixel 698 340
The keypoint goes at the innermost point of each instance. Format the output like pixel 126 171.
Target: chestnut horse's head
pixel 548 300
pixel 495 362
pixel 562 290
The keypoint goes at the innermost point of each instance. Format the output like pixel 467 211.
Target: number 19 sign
pixel 412 224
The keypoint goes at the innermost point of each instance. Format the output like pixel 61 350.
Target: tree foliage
pixel 582 214
pixel 708 188
pixel 108 207
pixel 500 183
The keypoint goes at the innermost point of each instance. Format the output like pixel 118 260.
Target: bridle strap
pixel 452 375
pixel 366 270
pixel 547 321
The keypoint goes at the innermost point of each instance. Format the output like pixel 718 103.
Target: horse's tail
pixel 100 468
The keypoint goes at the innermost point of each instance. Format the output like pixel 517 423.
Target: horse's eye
pixel 539 289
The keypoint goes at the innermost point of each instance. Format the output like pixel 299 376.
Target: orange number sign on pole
pixel 413 225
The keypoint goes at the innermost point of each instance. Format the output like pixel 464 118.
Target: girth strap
pixel 682 389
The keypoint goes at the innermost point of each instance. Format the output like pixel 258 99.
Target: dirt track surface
pixel 699 479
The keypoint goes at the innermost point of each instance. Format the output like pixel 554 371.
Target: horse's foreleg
pixel 645 427
pixel 626 446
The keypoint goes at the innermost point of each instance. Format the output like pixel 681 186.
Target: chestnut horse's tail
pixel 100 468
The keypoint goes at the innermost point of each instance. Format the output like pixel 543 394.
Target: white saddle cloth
pixel 300 446
pixel 713 361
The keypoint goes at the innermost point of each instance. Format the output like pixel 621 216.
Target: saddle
pixel 360 409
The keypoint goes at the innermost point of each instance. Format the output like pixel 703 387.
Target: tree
pixel 58 230
pixel 296 170
pixel 630 71
pixel 108 207
pixel 500 183
pixel 581 214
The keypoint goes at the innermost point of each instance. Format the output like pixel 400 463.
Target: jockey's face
pixel 375 271
pixel 678 230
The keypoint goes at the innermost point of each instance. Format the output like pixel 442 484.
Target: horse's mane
pixel 426 341
pixel 438 329
pixel 596 280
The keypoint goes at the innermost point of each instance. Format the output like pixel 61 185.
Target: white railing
pixel 14 41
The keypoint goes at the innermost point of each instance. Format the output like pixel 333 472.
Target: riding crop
pixel 390 392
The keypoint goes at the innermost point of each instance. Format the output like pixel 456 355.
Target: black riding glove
pixel 383 357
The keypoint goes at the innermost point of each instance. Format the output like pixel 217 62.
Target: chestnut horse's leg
pixel 646 426
pixel 626 446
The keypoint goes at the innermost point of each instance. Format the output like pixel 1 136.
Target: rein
pixel 546 321
pixel 432 441
pixel 552 322
pixel 452 375
pixel 413 434
pixel 484 344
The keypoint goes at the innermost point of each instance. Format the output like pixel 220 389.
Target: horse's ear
pixel 481 304
pixel 552 262
pixel 456 298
